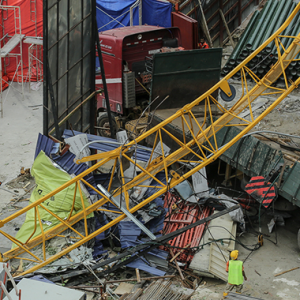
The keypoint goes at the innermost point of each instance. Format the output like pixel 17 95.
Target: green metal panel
pixel 290 188
pixel 184 75
pixel 249 155
pixel 253 158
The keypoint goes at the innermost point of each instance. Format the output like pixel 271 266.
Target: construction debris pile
pixel 179 220
pixel 261 26
pixel 146 217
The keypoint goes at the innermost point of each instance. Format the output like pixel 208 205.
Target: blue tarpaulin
pixel 113 13
pixel 157 13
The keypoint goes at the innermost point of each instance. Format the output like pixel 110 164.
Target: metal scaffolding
pixel 35 58
pixel 9 44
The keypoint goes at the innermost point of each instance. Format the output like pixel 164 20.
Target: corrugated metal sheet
pixel 249 155
pixel 106 144
pixel 217 262
pixel 254 158
pixel 290 188
pixel 45 144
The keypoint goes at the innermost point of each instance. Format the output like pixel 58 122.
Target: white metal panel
pixel 217 261
pixel 221 228
pixel 38 290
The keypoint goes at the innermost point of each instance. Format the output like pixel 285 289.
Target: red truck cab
pixel 127 55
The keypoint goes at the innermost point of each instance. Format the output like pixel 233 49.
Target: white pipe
pixel 5 291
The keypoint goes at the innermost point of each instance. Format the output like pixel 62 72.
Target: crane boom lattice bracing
pixel 197 148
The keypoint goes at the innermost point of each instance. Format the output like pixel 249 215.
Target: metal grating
pixel 129 89
pixel 69 64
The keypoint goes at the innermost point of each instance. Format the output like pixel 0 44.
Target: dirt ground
pixel 20 126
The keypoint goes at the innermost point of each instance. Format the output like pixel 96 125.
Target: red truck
pixel 144 62
pixel 127 54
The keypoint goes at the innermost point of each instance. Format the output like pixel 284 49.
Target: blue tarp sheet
pixel 108 10
pixel 114 13
pixel 157 13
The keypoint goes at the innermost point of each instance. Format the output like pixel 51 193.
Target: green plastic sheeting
pixel 48 178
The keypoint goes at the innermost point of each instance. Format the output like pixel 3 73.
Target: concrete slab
pixel 37 290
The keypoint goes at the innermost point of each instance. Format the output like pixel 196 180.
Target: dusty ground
pixel 262 265
pixel 23 121
pixel 20 125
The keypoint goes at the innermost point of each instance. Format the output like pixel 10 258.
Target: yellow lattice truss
pixel 198 141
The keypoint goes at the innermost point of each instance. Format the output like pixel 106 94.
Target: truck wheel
pixel 103 123
pixel 298 239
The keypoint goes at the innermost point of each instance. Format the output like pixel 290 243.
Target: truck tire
pixel 298 239
pixel 103 123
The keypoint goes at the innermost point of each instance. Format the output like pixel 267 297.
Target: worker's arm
pixel 244 274
pixel 227 266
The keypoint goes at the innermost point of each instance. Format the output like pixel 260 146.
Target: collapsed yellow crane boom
pixel 202 146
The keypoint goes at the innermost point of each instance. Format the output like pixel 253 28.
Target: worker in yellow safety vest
pixel 236 274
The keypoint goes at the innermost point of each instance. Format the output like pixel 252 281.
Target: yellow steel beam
pixel 202 146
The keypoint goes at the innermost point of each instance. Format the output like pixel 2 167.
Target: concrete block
pixel 37 290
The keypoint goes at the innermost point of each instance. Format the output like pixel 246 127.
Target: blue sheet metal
pixel 45 144
pixel 105 146
pixel 142 265
pixel 129 232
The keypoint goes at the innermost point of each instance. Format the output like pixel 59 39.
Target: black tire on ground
pixel 104 124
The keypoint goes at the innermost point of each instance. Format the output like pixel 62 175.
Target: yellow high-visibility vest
pixel 235 272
